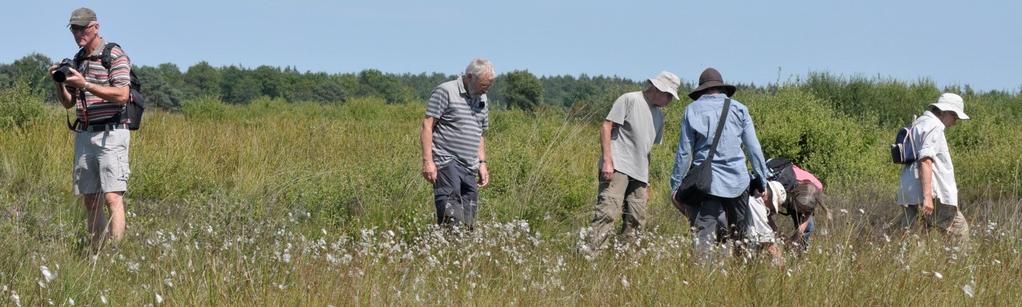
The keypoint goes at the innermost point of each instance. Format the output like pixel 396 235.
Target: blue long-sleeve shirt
pixel 730 175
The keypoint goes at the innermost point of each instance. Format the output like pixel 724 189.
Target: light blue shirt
pixel 730 175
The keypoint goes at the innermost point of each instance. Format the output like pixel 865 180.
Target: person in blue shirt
pixel 718 217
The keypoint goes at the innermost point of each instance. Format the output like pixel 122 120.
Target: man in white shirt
pixel 928 184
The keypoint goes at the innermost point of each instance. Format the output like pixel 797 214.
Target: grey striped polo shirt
pixel 459 124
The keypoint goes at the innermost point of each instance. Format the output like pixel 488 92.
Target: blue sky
pixel 951 42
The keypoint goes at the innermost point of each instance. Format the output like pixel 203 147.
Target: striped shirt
pixel 459 123
pixel 99 110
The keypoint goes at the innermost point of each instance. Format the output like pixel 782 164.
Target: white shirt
pixel 757 222
pixel 928 136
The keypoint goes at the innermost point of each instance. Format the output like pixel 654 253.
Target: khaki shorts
pixel 101 162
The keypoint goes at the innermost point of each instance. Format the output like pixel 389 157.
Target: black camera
pixel 63 69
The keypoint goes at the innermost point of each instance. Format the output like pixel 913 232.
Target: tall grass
pixel 320 204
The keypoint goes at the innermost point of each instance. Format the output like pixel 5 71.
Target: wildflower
pixel 47 275
pixel 967 288
pixel 133 267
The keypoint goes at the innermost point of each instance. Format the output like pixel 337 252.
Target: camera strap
pixel 81 91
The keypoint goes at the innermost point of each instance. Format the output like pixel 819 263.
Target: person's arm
pixel 426 138
pixel 115 94
pixel 484 170
pixel 800 229
pixel 683 155
pixel 607 167
pixel 436 106
pixel 926 181
pixel 775 253
pixel 63 94
pixel 755 151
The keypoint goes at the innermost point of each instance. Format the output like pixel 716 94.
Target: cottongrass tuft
pixel 47 275
pixel 968 289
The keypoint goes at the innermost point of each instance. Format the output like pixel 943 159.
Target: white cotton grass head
pixel 48 276
pixel 968 290
pixel 15 299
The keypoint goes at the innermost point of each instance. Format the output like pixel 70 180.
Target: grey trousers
pixel 714 222
pixel 456 195
pixel 945 217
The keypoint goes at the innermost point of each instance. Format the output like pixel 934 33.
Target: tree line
pixel 167 86
pixel 881 101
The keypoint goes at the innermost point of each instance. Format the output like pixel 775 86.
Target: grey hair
pixel 479 67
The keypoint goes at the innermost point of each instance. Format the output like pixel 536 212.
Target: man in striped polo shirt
pixel 453 147
pixel 101 141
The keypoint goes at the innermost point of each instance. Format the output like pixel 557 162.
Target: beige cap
pixel 82 17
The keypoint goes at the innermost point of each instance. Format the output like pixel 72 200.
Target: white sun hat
pixel 777 195
pixel 667 82
pixel 951 102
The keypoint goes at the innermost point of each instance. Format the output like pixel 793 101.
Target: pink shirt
pixel 801 174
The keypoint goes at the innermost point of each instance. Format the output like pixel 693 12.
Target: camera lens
pixel 60 75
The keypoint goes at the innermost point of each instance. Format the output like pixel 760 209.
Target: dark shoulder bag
pixel 696 184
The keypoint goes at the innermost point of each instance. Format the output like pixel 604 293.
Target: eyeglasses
pixel 75 28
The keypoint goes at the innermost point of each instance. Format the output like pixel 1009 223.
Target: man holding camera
pixel 98 95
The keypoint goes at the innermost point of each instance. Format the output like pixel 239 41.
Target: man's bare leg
pixel 115 203
pixel 95 222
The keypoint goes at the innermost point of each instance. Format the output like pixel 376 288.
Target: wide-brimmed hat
pixel 82 17
pixel 951 102
pixel 777 195
pixel 710 78
pixel 667 82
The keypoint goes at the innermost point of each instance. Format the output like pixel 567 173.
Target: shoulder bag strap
pixel 720 128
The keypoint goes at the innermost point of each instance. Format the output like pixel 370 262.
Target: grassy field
pixel 320 204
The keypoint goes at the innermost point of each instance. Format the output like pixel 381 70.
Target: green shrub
pixel 19 106
pixel 208 108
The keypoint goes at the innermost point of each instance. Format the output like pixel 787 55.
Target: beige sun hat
pixel 777 195
pixel 667 82
pixel 951 102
